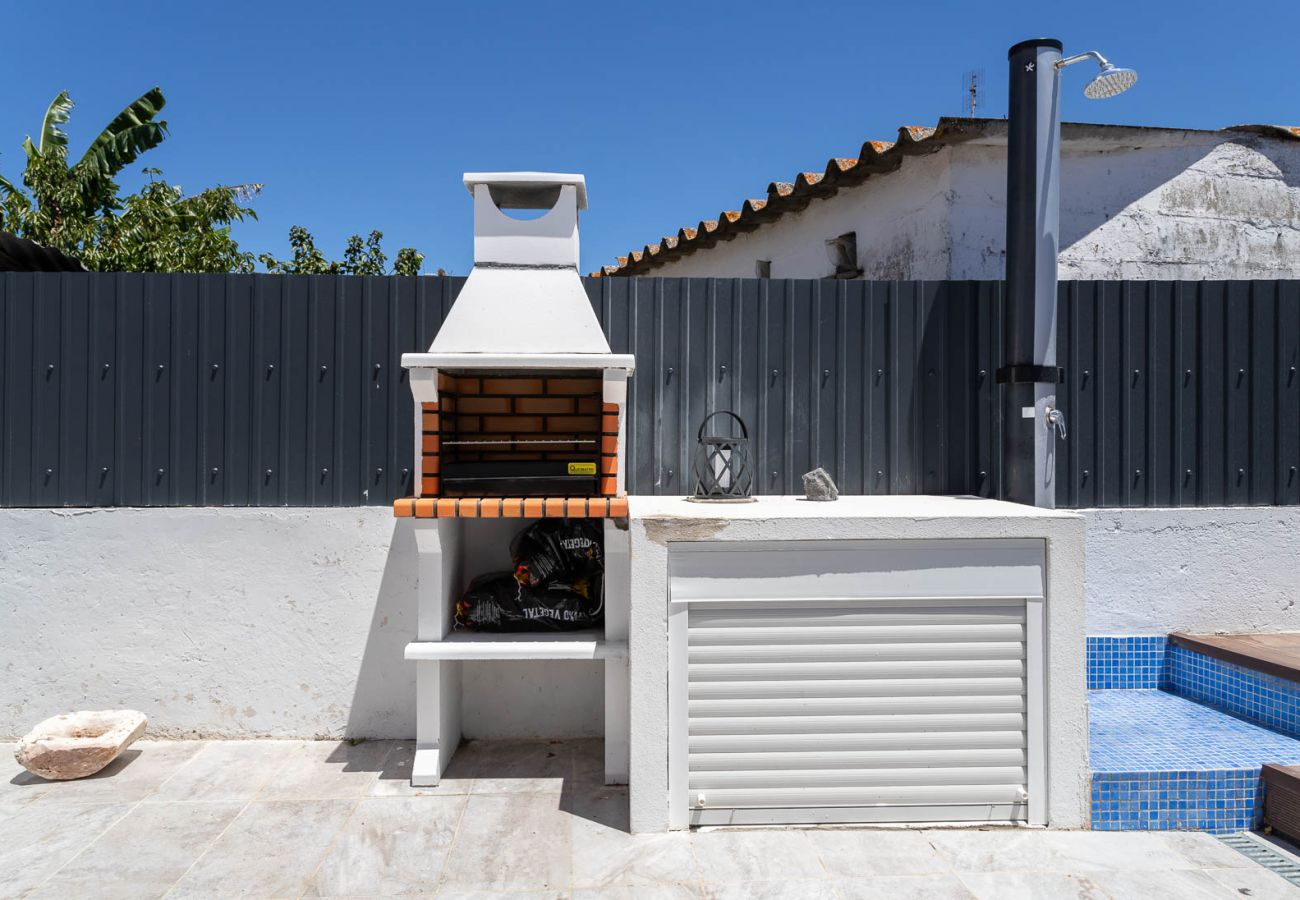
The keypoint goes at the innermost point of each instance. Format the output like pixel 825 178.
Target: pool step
pixel 1254 676
pixel 1282 799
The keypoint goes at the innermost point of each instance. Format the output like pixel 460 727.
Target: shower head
pixel 1111 80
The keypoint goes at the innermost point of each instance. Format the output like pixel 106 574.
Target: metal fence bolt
pixel 103 470
pixel 267 473
pixel 50 367
pixel 324 471
pixel 215 470
pixel 722 371
pixel 161 367
pixel 160 471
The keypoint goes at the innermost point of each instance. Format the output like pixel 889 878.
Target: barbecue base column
pixel 437 720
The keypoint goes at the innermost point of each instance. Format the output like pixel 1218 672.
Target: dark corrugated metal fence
pixel 267 390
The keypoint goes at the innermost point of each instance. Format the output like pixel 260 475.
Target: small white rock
pixel 78 744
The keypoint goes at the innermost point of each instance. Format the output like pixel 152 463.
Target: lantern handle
pixel 744 432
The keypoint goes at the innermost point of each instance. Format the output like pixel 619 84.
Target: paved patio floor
pixel 527 820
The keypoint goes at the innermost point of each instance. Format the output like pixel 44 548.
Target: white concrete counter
pixel 657 523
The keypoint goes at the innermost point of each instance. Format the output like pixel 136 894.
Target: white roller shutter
pixel 849 709
pixel 884 713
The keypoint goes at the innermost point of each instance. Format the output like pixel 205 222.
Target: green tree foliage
pixel 359 257
pixel 77 208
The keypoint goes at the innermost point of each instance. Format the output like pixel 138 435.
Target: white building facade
pixel 1136 203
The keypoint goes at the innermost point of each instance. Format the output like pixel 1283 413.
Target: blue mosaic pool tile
pixel 1130 662
pixel 1214 800
pixel 1266 699
pixel 1163 762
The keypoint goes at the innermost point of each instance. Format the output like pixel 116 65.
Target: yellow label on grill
pixel 582 468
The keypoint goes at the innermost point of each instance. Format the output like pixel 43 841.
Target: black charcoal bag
pixel 559 550
pixel 499 602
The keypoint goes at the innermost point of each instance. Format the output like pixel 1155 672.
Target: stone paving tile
pixel 588 761
pixel 1256 881
pixel 143 854
pixel 605 854
pixel 640 892
pixel 1205 851
pixel 328 770
pixel 1083 851
pixel 271 849
pixel 1192 884
pixel 513 767
pixel 136 774
pixel 394 778
pixel 771 890
pixel 757 855
pixel 859 853
pixel 454 894
pixel 904 887
pixel 522 819
pixel 511 842
pixel 1021 885
pixel 390 845
pixel 38 839
pixel 227 770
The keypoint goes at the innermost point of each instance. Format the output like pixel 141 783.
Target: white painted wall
pixel 900 219
pixel 1152 571
pixel 237 623
pixel 1135 204
pixel 240 623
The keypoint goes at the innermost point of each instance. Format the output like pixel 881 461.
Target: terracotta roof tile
pixel 875 157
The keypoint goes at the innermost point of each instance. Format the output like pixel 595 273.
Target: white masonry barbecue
pixel 519 416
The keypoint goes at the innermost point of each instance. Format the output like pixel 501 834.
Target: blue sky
pixel 364 115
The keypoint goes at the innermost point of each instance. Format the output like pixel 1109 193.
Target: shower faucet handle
pixel 1056 419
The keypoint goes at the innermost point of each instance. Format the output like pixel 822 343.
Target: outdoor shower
pixel 1031 419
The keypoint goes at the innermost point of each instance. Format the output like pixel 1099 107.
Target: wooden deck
pixel 1274 654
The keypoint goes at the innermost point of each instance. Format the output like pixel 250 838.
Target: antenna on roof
pixel 972 83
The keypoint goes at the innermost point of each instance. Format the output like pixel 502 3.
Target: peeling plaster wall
pixel 242 623
pixel 1153 204
pixel 1182 205
pixel 900 219
pixel 1152 571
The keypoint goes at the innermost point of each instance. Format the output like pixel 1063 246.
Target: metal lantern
pixel 723 468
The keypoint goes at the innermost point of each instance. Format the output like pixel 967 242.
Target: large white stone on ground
pixel 78 744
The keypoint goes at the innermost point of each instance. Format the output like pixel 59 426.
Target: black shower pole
pixel 1029 375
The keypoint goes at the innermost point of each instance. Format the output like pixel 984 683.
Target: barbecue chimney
pixel 519 400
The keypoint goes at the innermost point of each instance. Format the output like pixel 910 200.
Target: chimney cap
pixel 520 190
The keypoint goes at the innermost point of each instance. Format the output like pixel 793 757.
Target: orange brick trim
pixel 509 507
